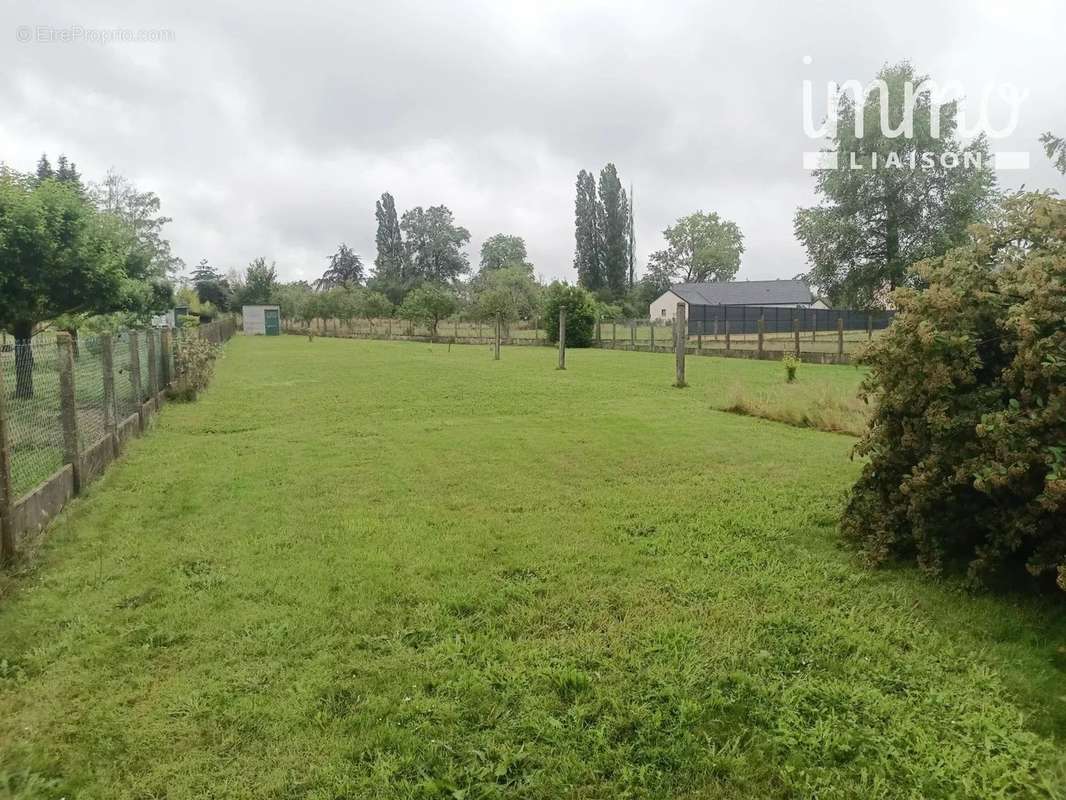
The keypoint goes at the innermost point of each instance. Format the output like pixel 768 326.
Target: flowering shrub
pixel 194 364
pixel 967 445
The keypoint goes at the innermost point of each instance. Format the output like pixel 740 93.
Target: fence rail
pixel 68 404
pixel 809 335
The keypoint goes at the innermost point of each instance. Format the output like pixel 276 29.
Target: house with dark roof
pixel 779 293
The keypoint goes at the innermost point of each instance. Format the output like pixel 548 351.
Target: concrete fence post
pixel 455 334
pixel 496 353
pixel 107 367
pixel 562 338
pixel 653 336
pixel 135 376
pixel 7 502
pixel 699 341
pixel 680 340
pixel 633 335
pixel 762 333
pixel 153 363
pixel 840 336
pixel 614 333
pixel 796 334
pixel 725 326
pixel 68 408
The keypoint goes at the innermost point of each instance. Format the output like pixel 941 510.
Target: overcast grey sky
pixel 271 128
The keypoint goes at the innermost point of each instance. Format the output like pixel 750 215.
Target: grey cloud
pixel 270 129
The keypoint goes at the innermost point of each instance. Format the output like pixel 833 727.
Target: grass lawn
pixel 381 570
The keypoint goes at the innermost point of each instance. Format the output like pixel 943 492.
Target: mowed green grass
pixel 383 570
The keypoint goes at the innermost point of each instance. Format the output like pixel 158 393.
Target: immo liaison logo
pixel 972 118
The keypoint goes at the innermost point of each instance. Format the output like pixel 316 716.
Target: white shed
pixel 261 320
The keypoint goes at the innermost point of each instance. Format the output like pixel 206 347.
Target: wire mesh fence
pixel 30 378
pixel 111 377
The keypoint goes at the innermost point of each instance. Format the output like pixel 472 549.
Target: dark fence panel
pixel 710 320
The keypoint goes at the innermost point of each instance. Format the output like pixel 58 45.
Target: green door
pixel 272 322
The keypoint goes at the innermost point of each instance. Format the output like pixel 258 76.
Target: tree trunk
pixel 892 246
pixel 23 359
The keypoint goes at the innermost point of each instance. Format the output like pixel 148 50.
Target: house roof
pixel 744 293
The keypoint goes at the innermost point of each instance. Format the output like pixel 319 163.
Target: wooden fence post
pixel 599 337
pixel 762 333
pixel 496 355
pixel 614 333
pixel 107 365
pixel 725 326
pixel 633 335
pixel 840 336
pixel 153 365
pixel 68 408
pixel 699 341
pixel 562 338
pixel 869 327
pixel 796 334
pixel 653 336
pixel 680 340
pixel 455 335
pixel 135 376
pixel 7 502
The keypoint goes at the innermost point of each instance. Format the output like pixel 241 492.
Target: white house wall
pixel 664 309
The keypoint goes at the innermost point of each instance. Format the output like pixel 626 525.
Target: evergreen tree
pixel 44 168
pixel 614 231
pixel 67 172
pixel 211 286
pixel 345 270
pixel 587 233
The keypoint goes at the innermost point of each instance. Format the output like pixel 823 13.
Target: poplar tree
pixel 587 233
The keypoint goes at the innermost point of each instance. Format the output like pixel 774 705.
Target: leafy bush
pixel 581 313
pixel 791 362
pixel 967 463
pixel 194 364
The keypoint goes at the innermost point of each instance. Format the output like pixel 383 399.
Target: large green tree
pixel 60 256
pixel 260 281
pixel 435 244
pixel 140 213
pixel 878 212
pixel 504 251
pixel 699 247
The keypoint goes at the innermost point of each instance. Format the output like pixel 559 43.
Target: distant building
pixel 261 320
pixel 779 293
